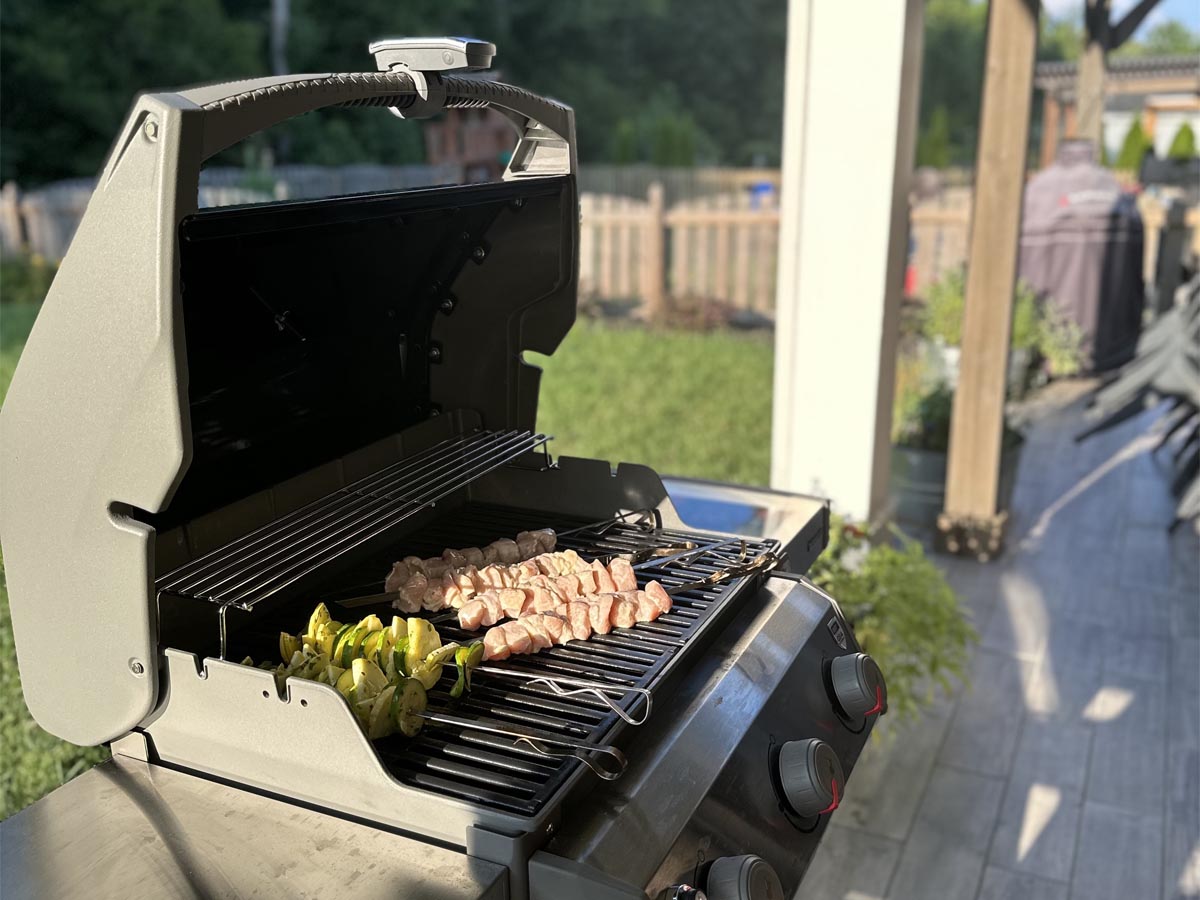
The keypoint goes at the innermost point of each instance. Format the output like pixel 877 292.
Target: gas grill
pixel 223 416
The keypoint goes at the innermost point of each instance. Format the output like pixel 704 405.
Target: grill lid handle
pixel 416 80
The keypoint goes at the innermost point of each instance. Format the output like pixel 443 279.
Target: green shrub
pixel 1134 147
pixel 1036 324
pixel 902 610
pixel 922 419
pixel 1183 145
pixel 1026 324
pixel 943 313
pixel 933 144
pixel 1060 342
pixel 25 278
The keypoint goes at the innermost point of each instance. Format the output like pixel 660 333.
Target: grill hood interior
pixel 316 328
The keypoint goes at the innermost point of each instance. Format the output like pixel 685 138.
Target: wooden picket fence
pixel 717 243
pixel 42 221
pixel 938 231
pixel 722 247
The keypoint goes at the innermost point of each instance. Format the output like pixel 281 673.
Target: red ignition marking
pixel 834 805
pixel 878 702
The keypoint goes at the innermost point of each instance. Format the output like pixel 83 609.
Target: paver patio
pixel 1071 768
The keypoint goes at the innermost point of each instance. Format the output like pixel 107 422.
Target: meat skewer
pixel 527 545
pixel 543 593
pixel 576 620
pixel 563 574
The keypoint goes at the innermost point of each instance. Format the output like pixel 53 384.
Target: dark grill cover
pixel 1081 249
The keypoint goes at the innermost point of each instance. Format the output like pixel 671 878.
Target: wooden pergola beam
pixel 972 520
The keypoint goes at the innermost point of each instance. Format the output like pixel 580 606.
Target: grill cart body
pixel 224 415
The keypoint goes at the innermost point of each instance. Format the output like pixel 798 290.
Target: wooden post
pixel 654 256
pixel 1089 90
pixel 1070 121
pixel 1050 116
pixel 843 242
pixel 971 521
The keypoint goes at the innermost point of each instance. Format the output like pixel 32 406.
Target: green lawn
pixel 32 762
pixel 684 403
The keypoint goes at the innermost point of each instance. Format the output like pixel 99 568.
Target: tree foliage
pixel 933 144
pixel 638 73
pixel 1164 39
pixel 1134 147
pixel 1183 145
pixel 70 72
pixel 676 81
pixel 952 77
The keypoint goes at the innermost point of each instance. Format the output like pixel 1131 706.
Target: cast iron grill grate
pixel 493 770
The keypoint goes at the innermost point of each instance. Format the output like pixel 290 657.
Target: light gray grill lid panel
pixel 93 424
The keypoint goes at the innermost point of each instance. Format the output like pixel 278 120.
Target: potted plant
pixel 921 412
pixel 1039 332
pixel 902 610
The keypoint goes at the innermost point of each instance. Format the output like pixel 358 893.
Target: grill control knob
pixel 743 878
pixel 858 686
pixel 811 776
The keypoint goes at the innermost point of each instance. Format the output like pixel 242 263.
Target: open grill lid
pixel 185 360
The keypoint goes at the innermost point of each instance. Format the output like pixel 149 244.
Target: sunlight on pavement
pixel 1141 444
pixel 1041 803
pixel 1108 703
pixel 1189 878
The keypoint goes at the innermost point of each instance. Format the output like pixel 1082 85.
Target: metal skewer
pixel 643 519
pixel 763 563
pixel 570 687
pixel 605 755
pixel 685 553
pixel 368 600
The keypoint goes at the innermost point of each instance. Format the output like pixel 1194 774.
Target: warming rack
pixel 260 564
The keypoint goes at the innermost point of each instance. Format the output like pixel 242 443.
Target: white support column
pixel 850 117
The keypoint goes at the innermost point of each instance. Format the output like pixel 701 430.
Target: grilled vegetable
pixel 320 616
pixel 396 666
pixel 369 679
pixel 345 685
pixel 466 659
pixel 380 723
pixel 423 639
pixel 288 644
pixel 383 671
pixel 408 702
pixel 429 670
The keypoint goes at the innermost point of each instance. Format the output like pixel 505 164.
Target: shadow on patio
pixel 1071 768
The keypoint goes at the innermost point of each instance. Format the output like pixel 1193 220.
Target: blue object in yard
pixel 759 192
pixel 709 514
